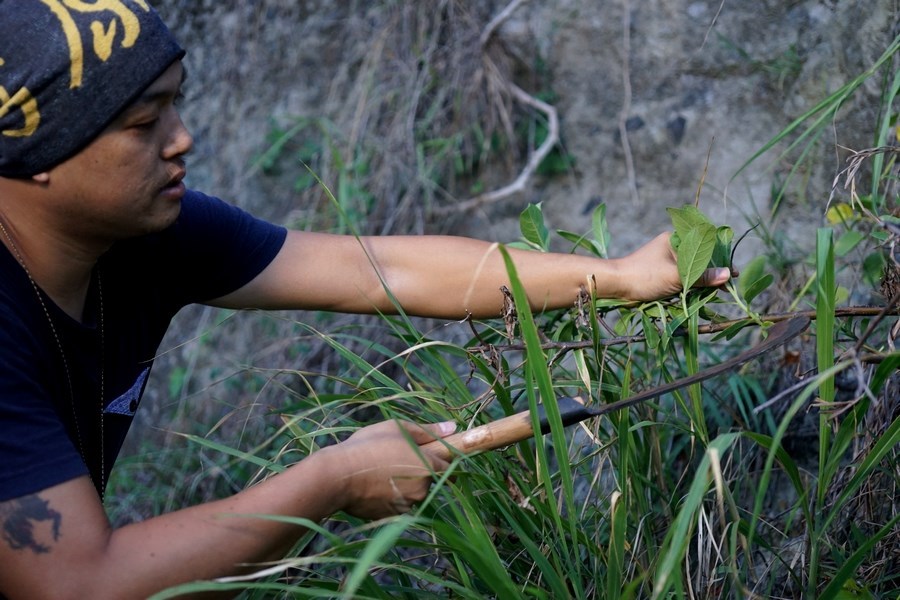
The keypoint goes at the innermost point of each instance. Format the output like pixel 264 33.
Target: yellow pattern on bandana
pixel 22 100
pixel 103 34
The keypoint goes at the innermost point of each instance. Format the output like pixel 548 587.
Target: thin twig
pixel 502 16
pixel 534 160
pixel 522 97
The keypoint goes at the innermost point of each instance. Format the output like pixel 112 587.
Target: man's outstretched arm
pixel 447 276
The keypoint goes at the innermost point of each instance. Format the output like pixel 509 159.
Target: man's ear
pixel 42 177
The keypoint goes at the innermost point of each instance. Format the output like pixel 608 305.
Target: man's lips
pixel 176 181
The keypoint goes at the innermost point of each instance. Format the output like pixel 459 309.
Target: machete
pixel 515 428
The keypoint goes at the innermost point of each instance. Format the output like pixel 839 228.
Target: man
pixel 102 245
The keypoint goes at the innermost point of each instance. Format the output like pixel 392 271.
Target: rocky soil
pixel 653 96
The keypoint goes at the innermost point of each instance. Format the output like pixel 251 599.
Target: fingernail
pixel 447 427
pixel 723 273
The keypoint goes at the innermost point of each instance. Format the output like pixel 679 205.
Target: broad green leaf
pixel 675 241
pixel 758 286
pixel 847 242
pixel 531 222
pixel 520 245
pixel 752 271
pixel 686 218
pixel 694 253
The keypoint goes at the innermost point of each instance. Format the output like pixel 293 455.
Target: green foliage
pixel 630 506
pixel 695 494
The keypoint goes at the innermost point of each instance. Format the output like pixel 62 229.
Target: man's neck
pixel 61 268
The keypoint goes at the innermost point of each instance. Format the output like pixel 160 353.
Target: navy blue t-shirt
pixel 212 249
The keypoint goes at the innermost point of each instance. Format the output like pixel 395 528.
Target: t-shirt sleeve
pixel 218 247
pixel 35 451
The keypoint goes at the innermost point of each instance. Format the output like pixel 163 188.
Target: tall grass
pixel 638 505
pixel 697 494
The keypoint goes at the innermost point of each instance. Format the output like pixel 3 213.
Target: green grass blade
pixel 825 109
pixel 884 135
pixel 825 294
pixel 888 442
pixel 847 571
pixel 539 373
pixel 383 541
pixel 616 564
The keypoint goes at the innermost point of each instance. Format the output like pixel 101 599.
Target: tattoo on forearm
pixel 18 520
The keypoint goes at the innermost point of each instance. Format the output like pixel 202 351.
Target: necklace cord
pixel 81 448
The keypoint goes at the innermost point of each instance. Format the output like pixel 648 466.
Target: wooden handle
pixel 491 436
pixel 506 431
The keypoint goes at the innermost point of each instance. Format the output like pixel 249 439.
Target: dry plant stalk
pixel 509 88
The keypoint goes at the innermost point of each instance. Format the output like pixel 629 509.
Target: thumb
pixel 428 432
pixel 713 278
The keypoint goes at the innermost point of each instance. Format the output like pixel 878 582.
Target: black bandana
pixel 67 69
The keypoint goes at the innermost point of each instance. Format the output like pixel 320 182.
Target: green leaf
pixel 839 213
pixel 579 241
pixel 754 289
pixel 787 463
pixel 694 253
pixel 750 273
pixel 601 231
pixel 383 541
pixel 651 333
pixel 887 368
pixel 675 241
pixel 825 296
pixel 732 330
pixel 722 254
pixel 686 218
pixel 531 222
pixel 873 267
pixel 678 537
pixel 847 242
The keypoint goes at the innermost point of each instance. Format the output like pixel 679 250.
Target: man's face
pixel 127 182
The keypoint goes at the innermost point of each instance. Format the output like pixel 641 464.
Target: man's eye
pixel 146 124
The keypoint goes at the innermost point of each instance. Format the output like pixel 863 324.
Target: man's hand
pixel 381 469
pixel 651 272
